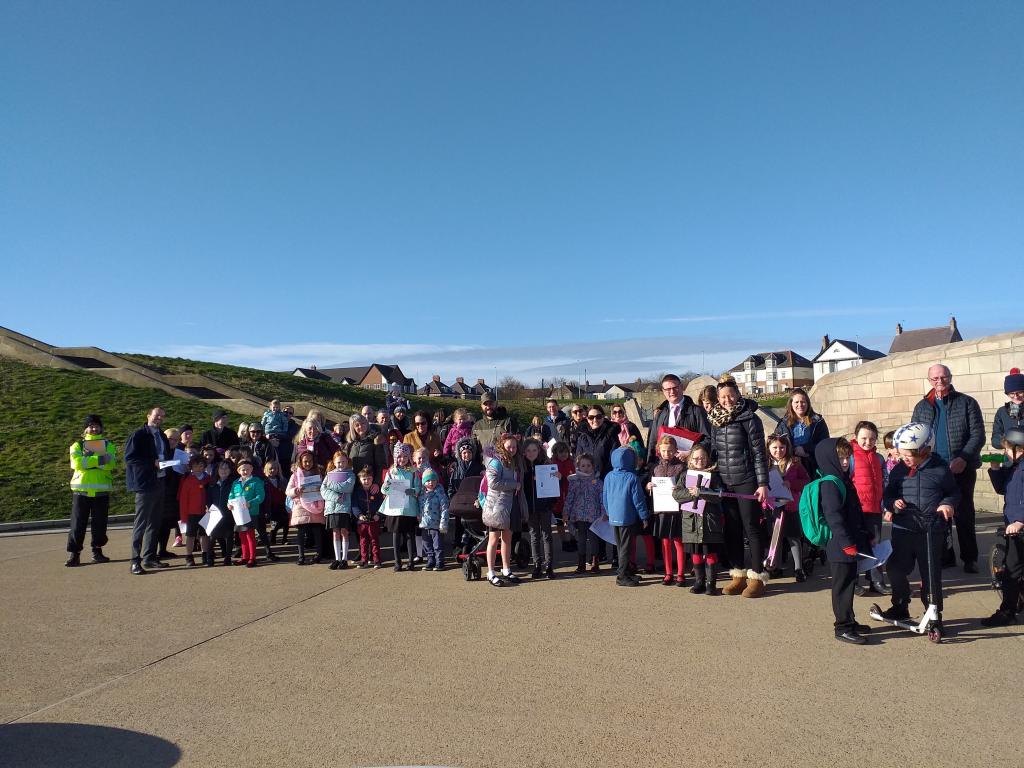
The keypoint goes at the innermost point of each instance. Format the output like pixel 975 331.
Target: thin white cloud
pixel 281 357
pixel 775 314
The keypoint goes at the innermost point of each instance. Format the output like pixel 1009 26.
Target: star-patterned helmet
pixel 913 436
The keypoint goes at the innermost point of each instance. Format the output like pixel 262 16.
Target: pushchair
pixel 472 550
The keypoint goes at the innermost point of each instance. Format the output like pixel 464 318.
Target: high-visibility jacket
pixel 90 476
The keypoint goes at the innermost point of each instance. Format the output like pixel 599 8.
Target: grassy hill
pixel 41 415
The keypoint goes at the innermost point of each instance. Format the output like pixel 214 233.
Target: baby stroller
pixel 472 552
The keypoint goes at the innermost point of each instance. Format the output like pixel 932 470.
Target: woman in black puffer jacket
pixel 738 436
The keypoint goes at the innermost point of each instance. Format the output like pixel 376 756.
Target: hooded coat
pixel 460 469
pixel 843 516
pixel 623 497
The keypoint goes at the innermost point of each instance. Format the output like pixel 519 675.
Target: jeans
pixel 84 508
pixel 149 509
pixel 432 547
pixel 540 538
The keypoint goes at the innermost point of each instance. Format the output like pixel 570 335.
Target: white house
pixel 617 392
pixel 839 354
pixel 773 372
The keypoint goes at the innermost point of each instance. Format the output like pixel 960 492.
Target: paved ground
pixel 303 666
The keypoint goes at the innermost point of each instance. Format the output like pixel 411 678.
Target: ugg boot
pixel 756 584
pixel 700 585
pixel 712 579
pixel 738 583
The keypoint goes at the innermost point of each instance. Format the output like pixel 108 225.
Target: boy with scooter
pixel 919 498
pixel 1009 481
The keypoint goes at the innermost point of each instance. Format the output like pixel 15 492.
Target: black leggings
pixel 743 516
pixel 408 540
pixel 318 537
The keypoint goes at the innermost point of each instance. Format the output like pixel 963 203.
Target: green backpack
pixel 811 518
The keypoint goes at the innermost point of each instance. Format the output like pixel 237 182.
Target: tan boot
pixel 738 583
pixel 756 584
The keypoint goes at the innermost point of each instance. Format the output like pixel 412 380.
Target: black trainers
pixel 99 557
pixel 626 582
pixel 73 561
pixel 896 613
pixel 852 637
pixel 1000 618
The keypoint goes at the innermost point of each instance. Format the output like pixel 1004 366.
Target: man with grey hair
pixel 958 432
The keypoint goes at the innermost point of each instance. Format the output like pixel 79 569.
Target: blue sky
pixel 531 187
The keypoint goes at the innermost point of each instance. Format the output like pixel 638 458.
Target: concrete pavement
pixel 282 665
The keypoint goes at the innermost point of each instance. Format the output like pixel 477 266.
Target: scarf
pixel 719 415
pixel 624 433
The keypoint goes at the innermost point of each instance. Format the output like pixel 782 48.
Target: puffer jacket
pixel 456 433
pixel 965 427
pixel 434 510
pixel 501 500
pixel 599 443
pixel 931 486
pixel 867 469
pixel 741 455
pixel 623 497
pixel 363 453
pixel 336 489
pixel 1009 482
pixel 274 423
pixel 303 512
pixel 1004 422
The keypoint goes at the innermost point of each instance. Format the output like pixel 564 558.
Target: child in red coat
pixel 191 508
pixel 867 469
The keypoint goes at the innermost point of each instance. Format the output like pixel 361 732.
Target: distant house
pixel 436 388
pixel 376 376
pixel 464 391
pixel 618 392
pixel 839 354
pixel 908 341
pixel 771 372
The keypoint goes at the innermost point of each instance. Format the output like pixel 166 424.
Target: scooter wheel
pixel 935 635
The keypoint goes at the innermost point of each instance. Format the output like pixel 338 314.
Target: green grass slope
pixel 41 415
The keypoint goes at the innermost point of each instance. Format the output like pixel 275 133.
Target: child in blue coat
pixel 625 503
pixel 1009 481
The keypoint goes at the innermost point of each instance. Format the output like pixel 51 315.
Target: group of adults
pixel 724 419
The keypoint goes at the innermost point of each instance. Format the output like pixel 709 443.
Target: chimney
pixel 825 342
pixel 604 383
pixel 435 377
pixel 459 380
pixel 952 324
pixel 479 381
pixel 899 329
pixel 312 367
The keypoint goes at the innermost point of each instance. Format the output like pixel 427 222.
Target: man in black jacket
pixel 677 410
pixel 220 436
pixel 959 435
pixel 145 449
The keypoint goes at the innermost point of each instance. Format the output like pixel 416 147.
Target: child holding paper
pixel 538 510
pixel 401 490
pixel 433 520
pixel 307 505
pixel 218 492
pixel 337 492
pixel 421 461
pixel 701 519
pixel 794 478
pixel 247 488
pixel 366 509
pixel 191 508
pixel 582 509
pixel 668 524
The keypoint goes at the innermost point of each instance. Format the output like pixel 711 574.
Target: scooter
pixel 931 622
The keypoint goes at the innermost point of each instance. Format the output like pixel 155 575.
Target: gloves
pixel 850 550
pixel 410 492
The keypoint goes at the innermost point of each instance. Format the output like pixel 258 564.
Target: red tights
pixel 248 541
pixel 710 558
pixel 667 545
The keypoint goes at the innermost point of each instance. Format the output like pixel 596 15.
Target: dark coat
pixel 486 431
pixel 708 528
pixel 1008 481
pixel 218 493
pixel 363 452
pixel 965 428
pixel 741 455
pixel 598 443
pixel 931 486
pixel 227 438
pixel 140 458
pixel 1004 422
pixel 557 428
pixel 691 416
pixel 818 432
pixel 844 517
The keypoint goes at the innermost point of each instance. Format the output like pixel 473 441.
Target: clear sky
pixel 532 187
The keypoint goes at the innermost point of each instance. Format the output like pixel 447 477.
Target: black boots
pixel 711 586
pixel 700 585
pixel 73 561
pixel 98 556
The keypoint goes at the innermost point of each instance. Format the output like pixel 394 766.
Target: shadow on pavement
pixel 42 745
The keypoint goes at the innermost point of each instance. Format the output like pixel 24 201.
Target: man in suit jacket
pixel 146 448
pixel 677 410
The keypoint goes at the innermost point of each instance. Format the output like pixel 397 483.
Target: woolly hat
pixel 219 414
pixel 429 475
pixel 93 419
pixel 186 428
pixel 465 442
pixel 912 436
pixel 1014 382
pixel 402 449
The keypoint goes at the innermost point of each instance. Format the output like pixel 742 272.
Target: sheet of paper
pixel 547 483
pixel 394 502
pixel 311 488
pixel 694 479
pixel 776 489
pixel 211 519
pixel 182 458
pixel 662 492
pixel 169 463
pixel 882 551
pixel 240 511
pixel 603 530
pixel 549 447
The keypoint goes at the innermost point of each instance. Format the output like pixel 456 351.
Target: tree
pixel 510 388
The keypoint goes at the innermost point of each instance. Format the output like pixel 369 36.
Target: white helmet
pixel 913 436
